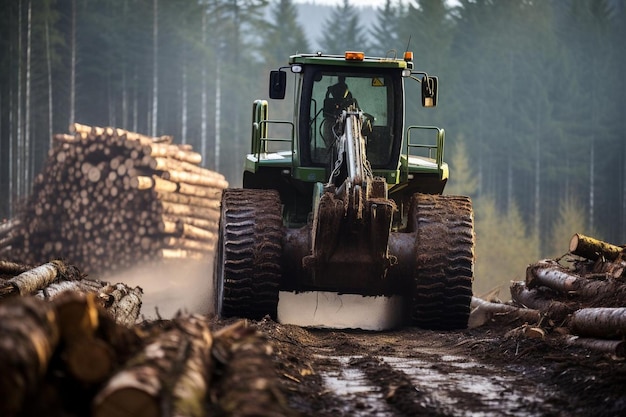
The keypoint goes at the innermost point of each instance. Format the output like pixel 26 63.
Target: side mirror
pixel 429 91
pixel 278 84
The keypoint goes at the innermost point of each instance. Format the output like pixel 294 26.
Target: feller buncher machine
pixel 341 221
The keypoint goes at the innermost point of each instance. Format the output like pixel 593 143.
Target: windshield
pixel 371 93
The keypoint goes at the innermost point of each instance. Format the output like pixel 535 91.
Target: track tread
pixel 444 260
pixel 251 248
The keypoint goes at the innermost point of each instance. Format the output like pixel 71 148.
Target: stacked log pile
pixel 585 300
pixel 9 236
pixel 108 199
pixel 68 357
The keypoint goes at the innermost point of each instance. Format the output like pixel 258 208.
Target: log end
pixel 127 402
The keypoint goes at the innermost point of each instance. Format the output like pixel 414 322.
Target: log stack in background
pixel 108 199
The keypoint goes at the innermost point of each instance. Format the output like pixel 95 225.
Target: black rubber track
pixel 444 267
pixel 247 264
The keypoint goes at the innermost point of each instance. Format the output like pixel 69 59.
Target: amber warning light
pixel 354 56
pixel 408 56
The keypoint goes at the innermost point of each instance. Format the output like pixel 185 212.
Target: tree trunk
pixel 249 385
pixel 31 281
pixel 612 347
pixel 484 311
pixel 169 377
pixel 533 299
pixel 599 322
pixel 593 249
pixel 29 338
pixel 155 66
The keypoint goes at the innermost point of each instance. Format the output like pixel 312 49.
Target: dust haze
pixel 171 286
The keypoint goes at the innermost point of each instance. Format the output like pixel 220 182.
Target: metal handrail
pixel 438 147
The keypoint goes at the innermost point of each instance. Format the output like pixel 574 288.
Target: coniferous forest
pixel 532 94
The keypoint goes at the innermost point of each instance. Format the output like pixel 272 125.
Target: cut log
pixel 100 202
pixel 29 336
pixel 11 269
pixel 169 377
pixel 593 249
pixel 194 179
pixel 597 290
pixel 88 359
pixel 613 347
pixel 550 274
pixel 600 322
pixel 534 299
pixel 484 311
pixel 122 302
pixel 59 288
pixel 32 280
pixel 249 385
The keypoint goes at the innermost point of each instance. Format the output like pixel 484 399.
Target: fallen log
pixel 56 289
pixel 87 358
pixel 534 299
pixel 550 274
pixel 601 322
pixel 28 338
pixel 122 302
pixel 483 311
pixel 593 249
pixel 170 376
pixel 613 347
pixel 11 269
pixel 32 280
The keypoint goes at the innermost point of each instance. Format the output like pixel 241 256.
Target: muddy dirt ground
pixel 414 372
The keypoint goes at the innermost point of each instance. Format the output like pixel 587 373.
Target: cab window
pixel 332 93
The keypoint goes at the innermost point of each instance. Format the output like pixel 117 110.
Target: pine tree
pixel 503 247
pixel 385 30
pixel 284 36
pixel 462 178
pixel 342 31
pixel 570 220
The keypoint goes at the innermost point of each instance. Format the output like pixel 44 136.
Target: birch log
pixel 483 311
pixel 612 347
pixel 593 249
pixel 602 322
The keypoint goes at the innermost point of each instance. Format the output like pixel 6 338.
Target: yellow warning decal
pixel 377 82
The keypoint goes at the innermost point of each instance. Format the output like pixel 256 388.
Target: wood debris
pixel 583 292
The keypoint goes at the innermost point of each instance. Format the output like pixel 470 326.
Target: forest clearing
pixel 75 343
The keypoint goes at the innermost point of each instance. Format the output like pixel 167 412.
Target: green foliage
pixel 504 248
pixel 385 32
pixel 283 35
pixel 342 31
pixel 462 180
pixel 570 220
pixel 535 87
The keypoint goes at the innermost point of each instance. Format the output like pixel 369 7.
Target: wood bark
pixel 552 275
pixel 249 385
pixel 32 280
pixel 593 249
pixel 483 311
pixel 535 299
pixel 170 376
pixel 29 336
pixel 603 322
pixel 613 347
